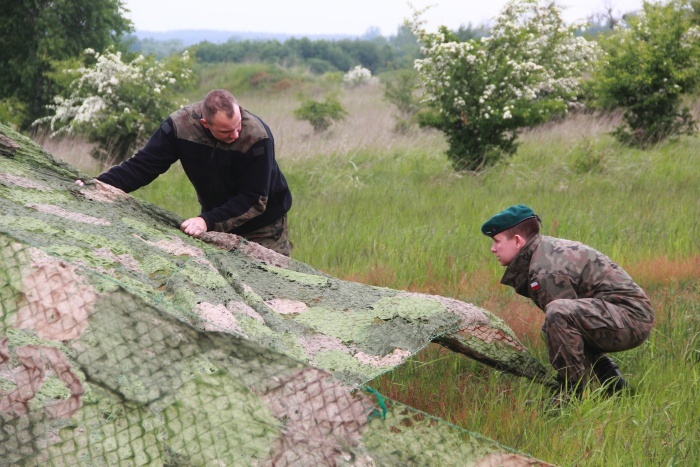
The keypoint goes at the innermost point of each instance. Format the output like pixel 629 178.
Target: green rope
pixel 380 400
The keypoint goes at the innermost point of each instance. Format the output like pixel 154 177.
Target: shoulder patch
pixel 259 151
pixel 166 128
pixel 187 127
pixel 252 132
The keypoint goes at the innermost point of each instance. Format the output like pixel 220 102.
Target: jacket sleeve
pixel 253 192
pixel 147 164
pixel 549 287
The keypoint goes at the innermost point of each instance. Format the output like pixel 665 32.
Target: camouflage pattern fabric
pixel 591 304
pixel 125 342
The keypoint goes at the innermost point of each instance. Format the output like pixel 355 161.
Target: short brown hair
pixel 526 229
pixel 218 100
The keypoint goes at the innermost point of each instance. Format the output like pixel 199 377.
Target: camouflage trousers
pixel 580 331
pixel 273 236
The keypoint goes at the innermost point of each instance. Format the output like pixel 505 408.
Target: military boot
pixel 610 376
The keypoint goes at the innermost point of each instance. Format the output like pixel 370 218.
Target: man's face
pixel 505 249
pixel 227 130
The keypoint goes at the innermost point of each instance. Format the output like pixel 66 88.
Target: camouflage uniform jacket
pixel 239 185
pixel 548 269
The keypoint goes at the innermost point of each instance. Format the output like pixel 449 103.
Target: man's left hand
pixel 194 226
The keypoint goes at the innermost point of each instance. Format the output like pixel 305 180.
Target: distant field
pixel 383 208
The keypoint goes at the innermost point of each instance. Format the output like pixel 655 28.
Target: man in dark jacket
pixel 591 304
pixel 229 156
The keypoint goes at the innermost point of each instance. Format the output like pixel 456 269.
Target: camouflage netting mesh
pixel 124 341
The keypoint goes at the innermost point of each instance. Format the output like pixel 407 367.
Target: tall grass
pixel 386 209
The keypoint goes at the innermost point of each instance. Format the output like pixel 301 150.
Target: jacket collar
pixel 518 271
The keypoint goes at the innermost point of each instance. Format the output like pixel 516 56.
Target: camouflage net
pixel 125 342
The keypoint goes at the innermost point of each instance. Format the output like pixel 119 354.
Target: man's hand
pixel 194 226
pixel 79 183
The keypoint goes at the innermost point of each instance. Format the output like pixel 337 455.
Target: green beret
pixel 506 219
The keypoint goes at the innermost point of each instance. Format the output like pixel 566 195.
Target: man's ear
pixel 519 241
pixel 204 123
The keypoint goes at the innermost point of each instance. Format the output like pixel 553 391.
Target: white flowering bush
pixel 358 76
pixel 647 71
pixel 483 91
pixel 117 104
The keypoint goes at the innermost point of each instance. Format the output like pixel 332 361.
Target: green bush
pixel 399 91
pixel 321 115
pixel 647 70
pixel 481 92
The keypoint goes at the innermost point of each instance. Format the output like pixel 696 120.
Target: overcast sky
pixel 312 17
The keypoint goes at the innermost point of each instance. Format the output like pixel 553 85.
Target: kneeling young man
pixel 592 306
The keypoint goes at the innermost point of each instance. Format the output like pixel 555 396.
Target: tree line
pixel 319 56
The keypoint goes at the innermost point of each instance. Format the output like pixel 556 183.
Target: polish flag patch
pixel 535 286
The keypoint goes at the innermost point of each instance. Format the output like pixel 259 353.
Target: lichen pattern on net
pixel 123 341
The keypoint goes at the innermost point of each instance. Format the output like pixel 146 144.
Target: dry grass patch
pixel 575 127
pixel 74 150
pixel 664 271
pixel 369 126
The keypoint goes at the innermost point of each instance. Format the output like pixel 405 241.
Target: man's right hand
pixel 79 183
pixel 194 226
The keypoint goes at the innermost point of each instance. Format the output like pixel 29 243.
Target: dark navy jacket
pixel 239 185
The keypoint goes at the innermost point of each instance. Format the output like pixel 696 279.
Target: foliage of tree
pixel 329 51
pixel 482 92
pixel 321 114
pixel 117 104
pixel 648 69
pixel 33 33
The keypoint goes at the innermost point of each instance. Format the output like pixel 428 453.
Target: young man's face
pixel 505 249
pixel 227 130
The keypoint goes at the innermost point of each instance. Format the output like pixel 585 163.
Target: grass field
pixel 386 209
